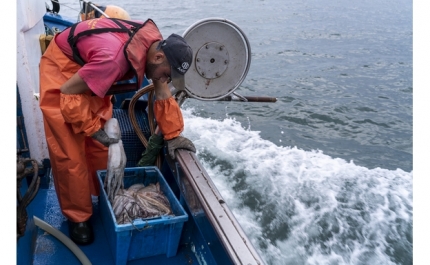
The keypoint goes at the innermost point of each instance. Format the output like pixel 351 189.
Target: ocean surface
pixel 324 175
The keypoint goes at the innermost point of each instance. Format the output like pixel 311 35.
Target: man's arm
pixel 75 85
pixel 161 90
pixel 174 124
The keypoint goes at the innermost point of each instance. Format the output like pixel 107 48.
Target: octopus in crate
pixel 117 160
pixel 139 201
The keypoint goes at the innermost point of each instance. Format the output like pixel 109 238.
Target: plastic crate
pixel 145 237
pixel 133 147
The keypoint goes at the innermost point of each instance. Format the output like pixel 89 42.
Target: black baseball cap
pixel 179 54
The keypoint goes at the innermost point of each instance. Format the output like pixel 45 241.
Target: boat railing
pixel 204 198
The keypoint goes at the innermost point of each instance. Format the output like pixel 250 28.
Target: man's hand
pixel 179 143
pixel 103 138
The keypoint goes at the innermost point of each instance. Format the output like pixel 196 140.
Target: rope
pixel 29 195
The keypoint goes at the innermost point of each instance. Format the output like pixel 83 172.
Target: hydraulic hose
pixel 64 239
pixel 147 89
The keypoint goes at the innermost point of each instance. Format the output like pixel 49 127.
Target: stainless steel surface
pixel 203 198
pixel 239 96
pixel 95 7
pixel 212 60
pixel 221 58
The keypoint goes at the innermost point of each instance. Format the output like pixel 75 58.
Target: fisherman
pixel 76 73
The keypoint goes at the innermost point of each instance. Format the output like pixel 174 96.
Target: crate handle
pixel 146 226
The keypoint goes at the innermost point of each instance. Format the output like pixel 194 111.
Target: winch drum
pixel 221 58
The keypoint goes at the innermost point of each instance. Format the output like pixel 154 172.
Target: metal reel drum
pixel 221 58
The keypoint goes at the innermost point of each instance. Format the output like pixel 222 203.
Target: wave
pixel 305 207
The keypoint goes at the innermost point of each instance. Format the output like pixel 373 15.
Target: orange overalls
pixel 70 120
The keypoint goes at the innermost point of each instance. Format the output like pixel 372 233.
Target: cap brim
pixel 178 80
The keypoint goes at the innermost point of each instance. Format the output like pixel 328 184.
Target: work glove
pixel 155 144
pixel 103 138
pixel 179 143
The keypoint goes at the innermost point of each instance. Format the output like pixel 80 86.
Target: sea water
pixel 305 207
pixel 324 175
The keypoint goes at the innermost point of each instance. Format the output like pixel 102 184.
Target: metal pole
pixel 248 99
pixel 95 7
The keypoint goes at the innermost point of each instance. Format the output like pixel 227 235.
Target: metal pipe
pixel 248 99
pixel 95 7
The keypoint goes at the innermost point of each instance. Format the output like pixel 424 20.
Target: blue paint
pixel 145 237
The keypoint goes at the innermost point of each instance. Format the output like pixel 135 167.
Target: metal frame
pixel 247 44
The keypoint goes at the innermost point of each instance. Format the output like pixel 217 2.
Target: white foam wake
pixel 304 207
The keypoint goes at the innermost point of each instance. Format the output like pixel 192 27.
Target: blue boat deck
pixel 198 243
pixel 45 249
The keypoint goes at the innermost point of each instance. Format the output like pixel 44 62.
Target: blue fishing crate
pixel 145 237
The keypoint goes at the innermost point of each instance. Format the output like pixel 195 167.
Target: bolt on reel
pixel 221 60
